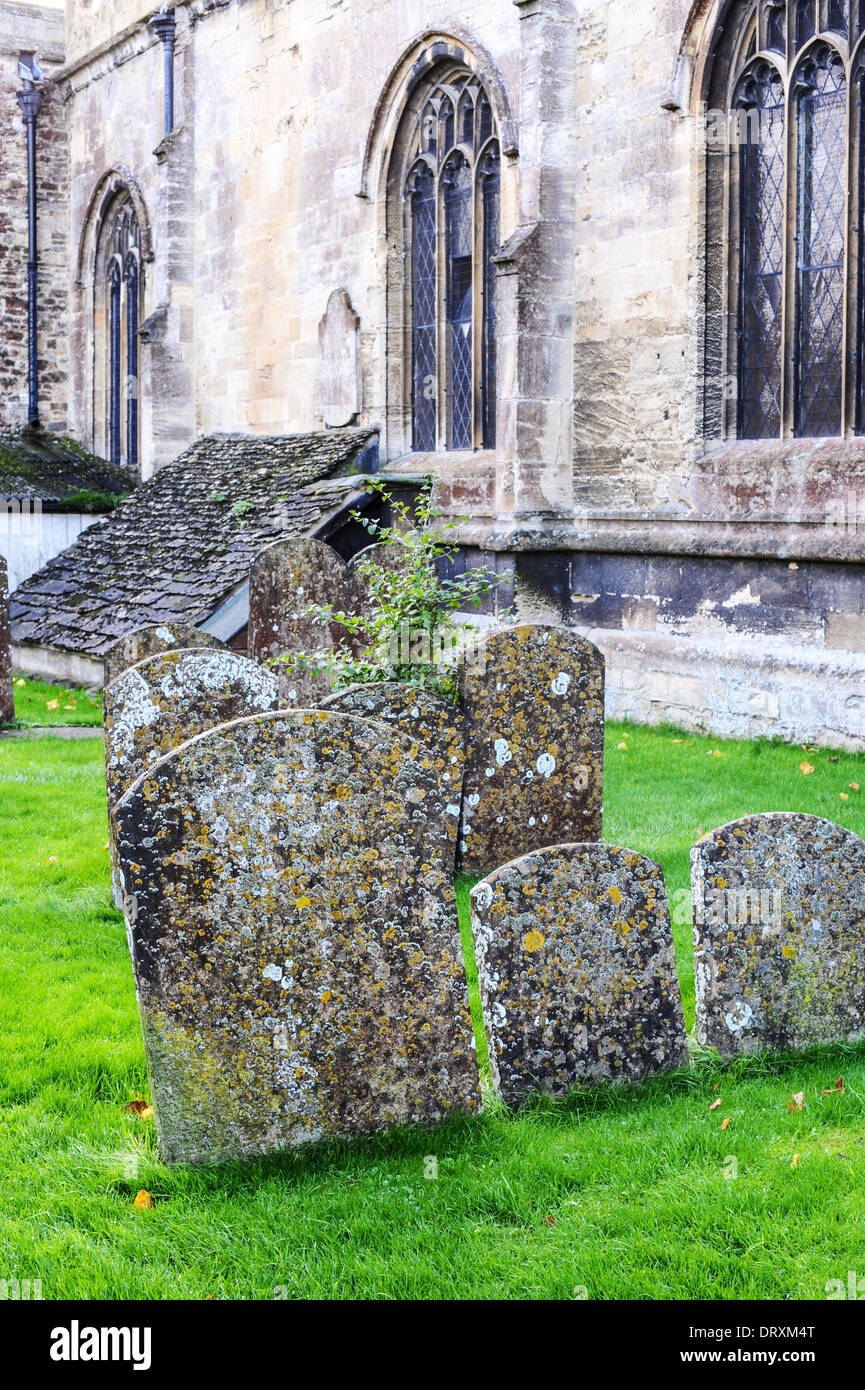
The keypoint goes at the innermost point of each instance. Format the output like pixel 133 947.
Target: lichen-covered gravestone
pixel 160 703
pixel 285 580
pixel 533 702
pixel 577 970
pixel 7 701
pixel 144 642
pixel 434 721
pixel 290 906
pixel 779 934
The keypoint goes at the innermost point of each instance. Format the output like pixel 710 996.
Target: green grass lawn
pixel 47 706
pixel 623 1193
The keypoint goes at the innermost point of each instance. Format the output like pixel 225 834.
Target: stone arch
pixel 426 52
pixel 117 180
pixel 115 185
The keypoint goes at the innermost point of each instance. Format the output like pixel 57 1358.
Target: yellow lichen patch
pixel 533 941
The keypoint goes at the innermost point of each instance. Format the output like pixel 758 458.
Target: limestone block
pixel 290 906
pixel 577 970
pixel 533 701
pixel 779 934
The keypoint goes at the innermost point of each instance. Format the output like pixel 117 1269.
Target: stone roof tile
pixel 185 539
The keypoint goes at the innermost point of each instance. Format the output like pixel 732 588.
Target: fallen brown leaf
pixel 724 1123
pixel 715 1104
pixel 794 1161
pixel 796 1102
pixel 806 769
pixel 143 1200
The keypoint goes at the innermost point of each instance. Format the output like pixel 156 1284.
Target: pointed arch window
pixel 790 75
pixel 120 281
pixel 451 197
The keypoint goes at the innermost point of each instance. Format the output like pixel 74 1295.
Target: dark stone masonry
pixel 290 904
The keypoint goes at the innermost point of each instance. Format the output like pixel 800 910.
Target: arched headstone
pixel 295 940
pixel 577 970
pixel 431 719
pixel 144 642
pixel 533 702
pixel 779 934
pixel 285 580
pixel 160 703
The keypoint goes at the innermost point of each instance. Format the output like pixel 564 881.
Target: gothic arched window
pixel 790 79
pixel 451 197
pixel 119 279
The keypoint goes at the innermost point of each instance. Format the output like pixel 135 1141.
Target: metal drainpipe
pixel 164 27
pixel 30 100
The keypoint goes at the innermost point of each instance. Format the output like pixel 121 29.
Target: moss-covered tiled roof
pixel 57 471
pixel 185 539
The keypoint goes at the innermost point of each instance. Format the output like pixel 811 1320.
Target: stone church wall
pixel 24 28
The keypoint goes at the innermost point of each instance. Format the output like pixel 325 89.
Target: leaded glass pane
pixel 132 362
pixel 761 170
pixel 776 25
pixel 836 15
pixel 452 191
pixel 457 181
pixel 820 244
pixel 114 384
pixel 423 276
pixel 490 184
pixel 804 21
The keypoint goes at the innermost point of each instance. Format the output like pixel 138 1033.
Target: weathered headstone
pixel 286 578
pixel 155 706
pixel 533 702
pixel 577 970
pixel 7 699
pixel 137 646
pixel 431 719
pixel 295 940
pixel 339 362
pixel 779 934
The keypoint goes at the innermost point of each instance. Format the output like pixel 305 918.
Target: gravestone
pixel 7 699
pixel 290 905
pixel 339 362
pixel 137 646
pixel 431 719
pixel 163 701
pixel 779 934
pixel 533 702
pixel 286 578
pixel 577 970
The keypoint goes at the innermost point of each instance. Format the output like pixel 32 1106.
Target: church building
pixel 597 268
